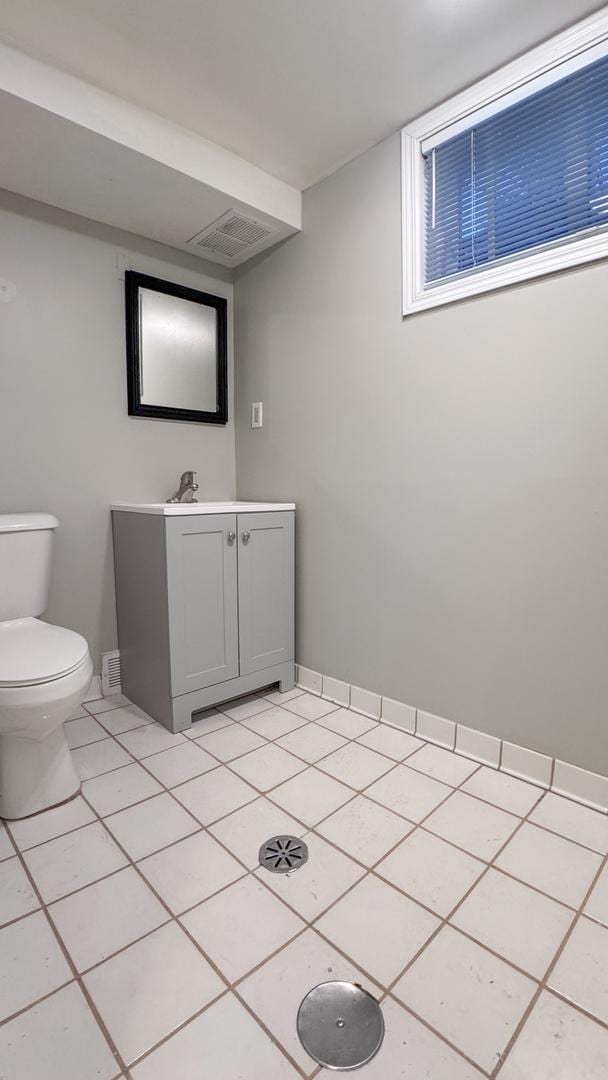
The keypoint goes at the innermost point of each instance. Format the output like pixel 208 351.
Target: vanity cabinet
pixel 205 604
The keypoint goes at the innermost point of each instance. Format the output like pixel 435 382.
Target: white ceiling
pixel 297 87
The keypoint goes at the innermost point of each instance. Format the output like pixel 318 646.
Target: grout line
pixel 72 967
pixel 543 985
pixel 248 872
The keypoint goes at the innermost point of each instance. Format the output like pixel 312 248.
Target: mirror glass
pixel 178 354
pixel 176 351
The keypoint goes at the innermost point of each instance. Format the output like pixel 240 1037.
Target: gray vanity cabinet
pixel 202 597
pixel 265 565
pixel 205 605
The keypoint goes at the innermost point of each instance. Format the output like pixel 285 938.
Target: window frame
pixel 519 79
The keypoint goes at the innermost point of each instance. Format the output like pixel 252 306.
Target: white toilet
pixel 44 674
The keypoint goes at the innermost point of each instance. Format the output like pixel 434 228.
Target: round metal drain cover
pixel 340 1025
pixel 281 854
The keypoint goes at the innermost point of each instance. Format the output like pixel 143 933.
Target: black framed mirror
pixel 177 352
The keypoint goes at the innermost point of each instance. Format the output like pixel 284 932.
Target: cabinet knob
pixel 231 537
pixel 246 537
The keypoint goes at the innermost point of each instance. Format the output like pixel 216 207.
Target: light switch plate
pixel 256 414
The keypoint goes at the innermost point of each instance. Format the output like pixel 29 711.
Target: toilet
pixel 45 671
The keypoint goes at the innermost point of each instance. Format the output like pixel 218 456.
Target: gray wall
pixel 450 472
pixel 67 444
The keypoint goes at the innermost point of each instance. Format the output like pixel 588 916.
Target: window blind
pixel 534 174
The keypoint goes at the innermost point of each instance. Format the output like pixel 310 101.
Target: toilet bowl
pixel 45 671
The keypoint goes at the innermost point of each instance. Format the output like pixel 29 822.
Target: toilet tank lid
pixel 24 522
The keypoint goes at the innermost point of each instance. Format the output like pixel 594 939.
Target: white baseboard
pixel 575 783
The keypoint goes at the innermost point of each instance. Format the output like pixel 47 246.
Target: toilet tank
pixel 26 551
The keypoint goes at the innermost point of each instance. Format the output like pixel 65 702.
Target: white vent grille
pixel 229 236
pixel 110 673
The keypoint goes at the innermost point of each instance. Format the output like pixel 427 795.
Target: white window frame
pixel 568 51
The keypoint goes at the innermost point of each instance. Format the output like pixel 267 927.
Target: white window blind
pixel 533 175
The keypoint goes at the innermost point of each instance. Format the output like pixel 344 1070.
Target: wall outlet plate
pixel 256 414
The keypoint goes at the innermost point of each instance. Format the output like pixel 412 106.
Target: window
pixel 510 179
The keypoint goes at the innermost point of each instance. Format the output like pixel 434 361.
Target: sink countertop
pixel 186 509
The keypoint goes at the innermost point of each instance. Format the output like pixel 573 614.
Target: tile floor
pixel 139 938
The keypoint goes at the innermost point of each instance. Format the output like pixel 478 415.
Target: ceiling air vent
pixel 230 236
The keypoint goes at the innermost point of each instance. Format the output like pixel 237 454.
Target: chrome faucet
pixel 186 490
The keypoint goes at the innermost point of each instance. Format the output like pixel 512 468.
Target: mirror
pixel 176 351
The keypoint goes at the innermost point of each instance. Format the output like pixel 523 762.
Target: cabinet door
pixel 202 586
pixel 266 564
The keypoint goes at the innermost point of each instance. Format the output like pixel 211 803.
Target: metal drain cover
pixel 340 1025
pixel 281 854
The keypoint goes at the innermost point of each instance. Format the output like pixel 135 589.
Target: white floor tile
pixel 241 926
pixel 356 765
pixel 69 862
pixel 145 992
pixel 244 831
pixel 190 871
pixel 214 795
pixel 101 919
pixel 267 767
pixel 575 822
pixel 311 796
pixel 364 829
pixel 58 1039
pixel 51 823
pixel 231 742
pixel 31 963
pixel 106 704
pixel 277 698
pixel 558 1043
pixel 433 872
pixel 597 904
pixel 581 973
pixel 6 848
pixel 507 792
pixel 442 765
pixel 150 739
pixel 181 763
pixel 379 928
pixel 229 1042
pixel 117 721
pixel 472 825
pixel 98 758
pixel 515 921
pixel 344 722
pixel 311 708
pixel 467 994
pixel 205 722
pixel 151 825
pixel 275 991
pixel 16 894
pixel 327 874
pixel 408 792
pixel 397 745
pixel 411 1051
pixel 115 790
pixel 311 742
pixel 549 863
pixel 83 731
pixel 273 723
pixel 243 708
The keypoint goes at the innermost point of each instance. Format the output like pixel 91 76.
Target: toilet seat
pixel 34 652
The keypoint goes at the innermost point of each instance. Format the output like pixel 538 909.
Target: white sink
pixel 228 506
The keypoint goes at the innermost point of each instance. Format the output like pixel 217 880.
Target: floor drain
pixel 281 854
pixel 340 1025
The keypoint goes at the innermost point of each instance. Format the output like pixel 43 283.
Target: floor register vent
pixel 111 682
